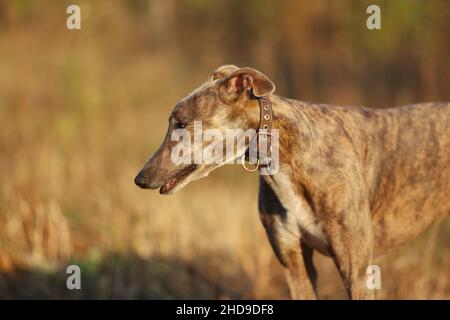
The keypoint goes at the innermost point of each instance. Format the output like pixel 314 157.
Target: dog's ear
pixel 223 72
pixel 246 79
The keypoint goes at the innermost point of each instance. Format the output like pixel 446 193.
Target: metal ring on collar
pixel 248 169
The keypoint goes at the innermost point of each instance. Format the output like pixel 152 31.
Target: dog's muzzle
pixel 141 180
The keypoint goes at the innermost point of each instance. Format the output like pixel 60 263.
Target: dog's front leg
pixel 284 237
pixel 300 273
pixel 351 247
pixel 294 256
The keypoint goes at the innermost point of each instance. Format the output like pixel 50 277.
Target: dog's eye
pixel 180 125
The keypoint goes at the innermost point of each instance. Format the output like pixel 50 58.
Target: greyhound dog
pixel 352 181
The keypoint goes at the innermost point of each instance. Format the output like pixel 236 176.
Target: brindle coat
pixel 352 183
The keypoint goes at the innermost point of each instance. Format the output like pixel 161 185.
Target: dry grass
pixel 80 112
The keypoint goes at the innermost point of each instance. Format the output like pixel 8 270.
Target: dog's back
pixel 397 157
pixel 410 172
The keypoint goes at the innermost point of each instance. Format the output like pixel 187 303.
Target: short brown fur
pixel 353 181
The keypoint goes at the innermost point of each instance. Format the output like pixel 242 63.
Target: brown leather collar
pixel 264 130
pixel 265 106
pixel 263 154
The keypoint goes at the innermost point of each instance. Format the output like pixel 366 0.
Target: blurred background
pixel 82 110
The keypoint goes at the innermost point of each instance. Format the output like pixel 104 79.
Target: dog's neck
pixel 293 119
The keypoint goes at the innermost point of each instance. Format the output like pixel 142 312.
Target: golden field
pixel 82 110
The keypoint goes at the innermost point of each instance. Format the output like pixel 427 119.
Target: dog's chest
pixel 300 218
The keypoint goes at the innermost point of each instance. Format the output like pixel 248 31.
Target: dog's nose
pixel 141 181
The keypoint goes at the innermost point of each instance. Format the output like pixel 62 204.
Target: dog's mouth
pixel 179 177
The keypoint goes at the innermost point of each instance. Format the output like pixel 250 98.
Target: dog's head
pixel 226 101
